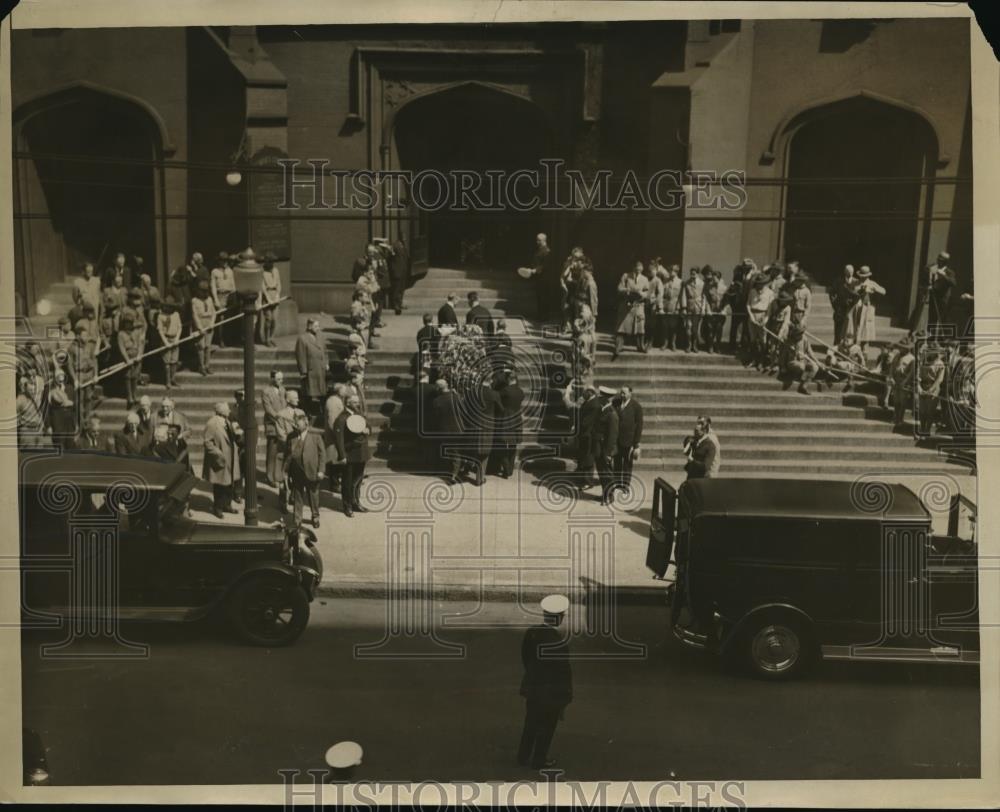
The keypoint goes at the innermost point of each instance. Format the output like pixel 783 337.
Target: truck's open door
pixel 661 528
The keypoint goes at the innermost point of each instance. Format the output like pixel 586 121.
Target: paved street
pixel 205 709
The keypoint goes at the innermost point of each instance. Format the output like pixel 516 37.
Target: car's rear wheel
pixel 268 610
pixel 777 647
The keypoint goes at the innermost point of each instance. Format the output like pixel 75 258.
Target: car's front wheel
pixel 777 647
pixel 268 610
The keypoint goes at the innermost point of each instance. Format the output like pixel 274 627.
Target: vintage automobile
pixel 775 574
pixel 106 536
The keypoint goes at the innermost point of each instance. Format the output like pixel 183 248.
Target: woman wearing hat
pixel 861 322
pixel 633 290
pixel 168 327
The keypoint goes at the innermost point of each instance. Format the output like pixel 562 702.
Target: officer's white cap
pixel 555 604
pixel 344 754
pixel 606 390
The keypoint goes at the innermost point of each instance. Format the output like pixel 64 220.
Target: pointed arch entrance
pixel 87 184
pixel 859 172
pixel 472 126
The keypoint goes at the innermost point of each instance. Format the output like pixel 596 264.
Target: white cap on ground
pixel 555 604
pixel 344 754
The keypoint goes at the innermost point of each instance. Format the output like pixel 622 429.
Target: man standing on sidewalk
pixel 547 685
pixel 352 448
pixel 305 464
pixel 273 401
pixel 629 435
pixel 605 439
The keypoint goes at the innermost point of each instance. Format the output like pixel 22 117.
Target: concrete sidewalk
pixel 510 539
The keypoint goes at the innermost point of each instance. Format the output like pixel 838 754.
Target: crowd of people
pixel 769 309
pixel 468 402
pixel 122 332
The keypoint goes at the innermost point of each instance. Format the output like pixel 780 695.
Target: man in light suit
pixel 702 450
pixel 221 466
pixel 311 357
pixel 305 463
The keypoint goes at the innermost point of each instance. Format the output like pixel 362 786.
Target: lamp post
pixel 249 278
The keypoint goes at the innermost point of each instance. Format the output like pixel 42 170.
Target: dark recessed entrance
pixel 863 162
pixel 474 127
pixel 90 172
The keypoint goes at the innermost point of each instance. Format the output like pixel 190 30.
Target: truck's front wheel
pixel 776 647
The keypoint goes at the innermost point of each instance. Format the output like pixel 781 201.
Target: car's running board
pixel 883 654
pixel 171 614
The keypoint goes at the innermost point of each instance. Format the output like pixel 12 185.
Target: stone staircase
pixel 765 429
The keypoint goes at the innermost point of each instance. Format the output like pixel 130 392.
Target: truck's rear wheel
pixel 268 610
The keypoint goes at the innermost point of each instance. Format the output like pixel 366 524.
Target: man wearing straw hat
pixel 547 685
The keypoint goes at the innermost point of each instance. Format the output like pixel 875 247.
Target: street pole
pixel 249 280
pixel 249 417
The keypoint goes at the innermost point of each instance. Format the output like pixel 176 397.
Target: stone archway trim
pixel 28 109
pixel 389 123
pixel 786 124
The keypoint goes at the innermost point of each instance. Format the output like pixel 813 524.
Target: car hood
pixel 188 531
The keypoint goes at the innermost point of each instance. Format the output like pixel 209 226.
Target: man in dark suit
pixel 501 348
pixel 428 338
pixel 479 315
pixel 511 428
pixel 488 409
pixel 605 444
pixel 547 685
pixel 424 393
pixel 629 436
pixel 305 464
pixel 446 313
pixel 313 363
pixel 399 273
pixel 352 450
pixel 589 414
pixel 129 440
pixel 93 439
pixel 448 427
pixel 941 282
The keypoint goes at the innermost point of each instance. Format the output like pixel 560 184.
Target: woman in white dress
pixel 861 323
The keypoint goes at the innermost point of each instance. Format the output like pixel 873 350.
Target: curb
pixel 653 595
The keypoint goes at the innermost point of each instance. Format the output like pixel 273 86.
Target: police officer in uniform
pixel 605 440
pixel 547 685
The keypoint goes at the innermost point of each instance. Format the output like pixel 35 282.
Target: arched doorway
pixel 86 185
pixel 856 173
pixel 474 127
